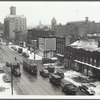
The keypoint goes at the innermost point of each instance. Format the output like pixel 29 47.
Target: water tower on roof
pixel 12 10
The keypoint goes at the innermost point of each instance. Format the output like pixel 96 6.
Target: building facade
pixel 84 56
pixel 34 34
pixel 47 46
pixel 14 24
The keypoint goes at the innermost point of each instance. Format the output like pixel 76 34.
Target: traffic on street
pixel 27 83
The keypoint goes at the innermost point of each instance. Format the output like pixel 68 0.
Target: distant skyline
pixel 64 12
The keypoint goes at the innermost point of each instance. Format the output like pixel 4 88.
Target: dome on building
pixel 53 21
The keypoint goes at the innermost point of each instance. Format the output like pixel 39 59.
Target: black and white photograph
pixel 49 49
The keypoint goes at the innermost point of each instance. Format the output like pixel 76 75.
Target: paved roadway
pixel 28 84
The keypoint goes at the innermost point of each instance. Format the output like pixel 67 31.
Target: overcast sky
pixel 45 11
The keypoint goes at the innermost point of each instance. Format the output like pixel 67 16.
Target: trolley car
pixel 30 66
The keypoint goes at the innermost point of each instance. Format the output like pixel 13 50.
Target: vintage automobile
pixel 15 67
pixel 86 90
pixel 44 72
pixel 50 68
pixel 46 60
pixel 14 48
pixel 25 54
pixel 8 64
pixel 6 78
pixel 30 66
pixel 68 88
pixel 20 50
pixel 55 79
pixel 49 60
pixel 60 73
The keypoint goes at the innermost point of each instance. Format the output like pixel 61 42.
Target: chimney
pixel 86 18
pixel 12 10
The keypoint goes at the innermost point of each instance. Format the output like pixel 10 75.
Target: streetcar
pixel 30 66
pixel 15 68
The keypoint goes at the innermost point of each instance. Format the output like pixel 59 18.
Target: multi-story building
pixel 1 30
pixel 84 56
pixel 47 46
pixel 61 43
pixel 33 34
pixel 14 24
pixel 77 29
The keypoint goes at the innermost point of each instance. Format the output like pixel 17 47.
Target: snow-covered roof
pixel 88 45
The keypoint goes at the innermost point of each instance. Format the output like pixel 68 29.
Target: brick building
pixel 84 56
pixel 33 34
pixel 14 24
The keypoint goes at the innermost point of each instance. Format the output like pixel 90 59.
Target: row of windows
pixel 60 51
pixel 82 58
pixel 60 42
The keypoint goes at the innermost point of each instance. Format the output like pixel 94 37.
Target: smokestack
pixel 86 18
pixel 12 10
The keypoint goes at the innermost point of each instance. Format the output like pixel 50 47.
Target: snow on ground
pixel 71 74
pixel 5 88
pixel 31 55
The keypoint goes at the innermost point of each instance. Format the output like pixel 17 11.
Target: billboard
pixel 50 44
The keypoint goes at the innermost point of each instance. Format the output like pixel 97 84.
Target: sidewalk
pixel 74 77
pixel 31 55
pixel 5 88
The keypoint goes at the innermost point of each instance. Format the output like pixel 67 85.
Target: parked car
pixel 8 64
pixel 55 79
pixel 6 78
pixel 14 48
pixel 44 72
pixel 60 73
pixel 46 60
pixel 25 54
pixel 86 90
pixel 20 50
pixel 50 68
pixel 68 88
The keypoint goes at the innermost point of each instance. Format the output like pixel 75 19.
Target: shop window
pixel 76 66
pixel 85 70
pixel 91 61
pixel 90 73
pixel 94 62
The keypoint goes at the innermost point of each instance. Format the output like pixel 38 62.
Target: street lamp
pixel 11 79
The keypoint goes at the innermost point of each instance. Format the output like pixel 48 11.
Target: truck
pixel 30 66
pixel 20 50
pixel 15 68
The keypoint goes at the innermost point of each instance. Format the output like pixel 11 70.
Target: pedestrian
pixel 15 58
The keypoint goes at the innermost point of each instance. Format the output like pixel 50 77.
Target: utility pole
pixel 11 79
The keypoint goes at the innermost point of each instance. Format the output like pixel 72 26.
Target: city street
pixel 28 84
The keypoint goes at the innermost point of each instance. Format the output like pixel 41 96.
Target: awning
pixel 60 55
pixel 87 64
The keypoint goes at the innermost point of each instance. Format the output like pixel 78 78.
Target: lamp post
pixel 11 79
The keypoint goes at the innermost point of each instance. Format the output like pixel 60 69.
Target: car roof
pixel 30 62
pixel 50 66
pixel 44 69
pixel 56 76
pixel 59 71
pixel 66 82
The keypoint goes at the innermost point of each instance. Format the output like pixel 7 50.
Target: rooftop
pixel 15 16
pixel 88 45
